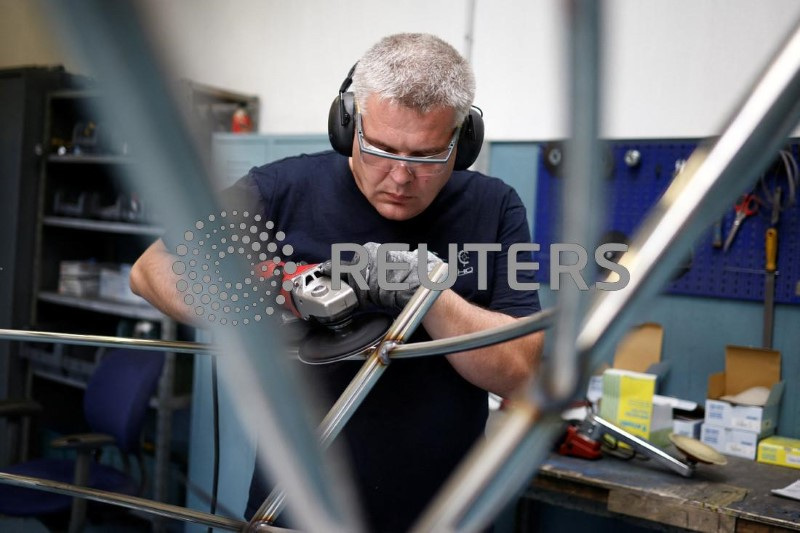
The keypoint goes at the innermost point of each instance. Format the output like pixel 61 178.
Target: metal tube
pixel 582 203
pixel 123 500
pixel 362 383
pixel 490 475
pixel 714 176
pixel 640 445
pixel 107 341
pixel 77 515
pixel 717 178
pixel 519 328
pixel 709 184
pixel 470 498
pixel 174 182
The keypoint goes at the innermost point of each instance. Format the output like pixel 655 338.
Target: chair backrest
pixel 118 394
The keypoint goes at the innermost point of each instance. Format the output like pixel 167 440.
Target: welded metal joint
pixel 384 349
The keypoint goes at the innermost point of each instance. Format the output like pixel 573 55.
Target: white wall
pixel 294 55
pixel 678 68
pixel 674 68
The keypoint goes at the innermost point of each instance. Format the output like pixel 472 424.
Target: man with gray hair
pixel 403 140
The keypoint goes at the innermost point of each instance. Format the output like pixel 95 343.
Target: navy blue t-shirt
pixel 421 417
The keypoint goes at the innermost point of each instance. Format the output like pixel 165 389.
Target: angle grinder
pixel 586 440
pixel 336 329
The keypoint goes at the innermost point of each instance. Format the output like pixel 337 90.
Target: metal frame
pixel 585 330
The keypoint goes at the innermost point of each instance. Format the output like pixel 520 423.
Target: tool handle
pixel 717 240
pixel 771 249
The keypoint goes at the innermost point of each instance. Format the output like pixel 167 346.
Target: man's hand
pixel 375 294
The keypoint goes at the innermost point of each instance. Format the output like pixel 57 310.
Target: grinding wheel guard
pixel 310 293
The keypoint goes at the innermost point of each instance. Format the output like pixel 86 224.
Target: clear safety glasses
pixel 420 166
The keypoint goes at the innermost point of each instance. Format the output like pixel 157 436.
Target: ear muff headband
pixel 342 129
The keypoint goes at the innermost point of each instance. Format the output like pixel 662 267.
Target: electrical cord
pixel 792 173
pixel 215 423
pixel 611 447
pixel 204 496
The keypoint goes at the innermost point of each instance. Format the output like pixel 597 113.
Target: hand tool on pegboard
pixel 770 267
pixel 747 207
pixel 633 189
pixel 716 240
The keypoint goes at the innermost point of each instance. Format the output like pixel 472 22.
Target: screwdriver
pixel 770 265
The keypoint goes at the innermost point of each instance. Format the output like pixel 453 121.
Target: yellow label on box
pixel 781 451
pixel 628 400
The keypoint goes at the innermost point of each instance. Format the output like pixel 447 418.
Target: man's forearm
pixel 501 368
pixel 152 278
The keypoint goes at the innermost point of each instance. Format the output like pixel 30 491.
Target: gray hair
pixel 416 70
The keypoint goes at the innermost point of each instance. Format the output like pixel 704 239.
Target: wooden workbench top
pixel 734 497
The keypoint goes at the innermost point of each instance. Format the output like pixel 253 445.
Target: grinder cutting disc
pixel 697 451
pixel 325 345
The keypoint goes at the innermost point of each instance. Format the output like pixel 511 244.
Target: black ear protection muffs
pixel 342 127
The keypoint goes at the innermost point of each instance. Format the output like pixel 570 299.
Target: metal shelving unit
pixel 96 225
pixel 128 310
pixel 83 216
pixel 90 159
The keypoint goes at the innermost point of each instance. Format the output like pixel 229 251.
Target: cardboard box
pixel 638 351
pixel 746 368
pixel 660 421
pixel 736 442
pixel 688 427
pixel 115 284
pixel 79 278
pixel 628 400
pixel 781 451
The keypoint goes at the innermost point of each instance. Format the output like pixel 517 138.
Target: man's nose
pixel 401 173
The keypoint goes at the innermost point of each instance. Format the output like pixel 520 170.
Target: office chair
pixel 115 404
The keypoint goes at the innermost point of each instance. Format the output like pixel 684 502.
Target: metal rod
pixel 492 471
pixel 582 202
pixel 519 328
pixel 717 178
pixel 362 383
pixel 495 468
pixel 714 176
pixel 712 179
pixel 123 500
pixel 640 445
pixel 171 175
pixel 107 341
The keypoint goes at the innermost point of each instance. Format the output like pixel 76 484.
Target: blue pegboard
pixel 632 191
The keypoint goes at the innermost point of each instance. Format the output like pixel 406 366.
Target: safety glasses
pixel 420 166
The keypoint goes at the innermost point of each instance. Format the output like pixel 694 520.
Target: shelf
pixel 74 94
pixel 92 163
pixel 127 310
pixel 90 159
pixel 102 225
pixel 60 378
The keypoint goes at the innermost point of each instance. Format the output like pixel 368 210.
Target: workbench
pixel 734 497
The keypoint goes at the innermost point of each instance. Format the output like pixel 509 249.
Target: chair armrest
pixel 83 441
pixel 19 408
